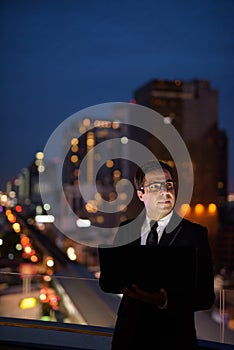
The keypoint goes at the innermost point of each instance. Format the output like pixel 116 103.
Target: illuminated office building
pixel 192 107
pixel 101 168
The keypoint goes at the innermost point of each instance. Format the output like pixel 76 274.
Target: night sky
pixel 58 57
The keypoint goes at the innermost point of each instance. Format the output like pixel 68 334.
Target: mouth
pixel 166 202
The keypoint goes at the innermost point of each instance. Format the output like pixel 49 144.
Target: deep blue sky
pixel 60 56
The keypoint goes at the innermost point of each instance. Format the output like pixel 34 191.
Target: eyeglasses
pixel 168 185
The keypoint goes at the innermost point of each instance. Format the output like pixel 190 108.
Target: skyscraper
pixel 192 107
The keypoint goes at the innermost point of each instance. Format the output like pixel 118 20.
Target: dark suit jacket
pixel 143 326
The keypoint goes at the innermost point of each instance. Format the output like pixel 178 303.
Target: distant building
pixel 103 169
pixel 222 187
pixel 225 243
pixel 192 108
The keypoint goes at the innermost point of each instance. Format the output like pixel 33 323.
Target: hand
pixel 158 298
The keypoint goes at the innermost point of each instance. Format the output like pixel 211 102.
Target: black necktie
pixel 152 238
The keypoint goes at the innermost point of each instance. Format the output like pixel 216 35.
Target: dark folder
pixel 151 268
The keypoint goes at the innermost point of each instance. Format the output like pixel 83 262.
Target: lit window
pixel 116 173
pixel 212 209
pixel 185 209
pixel 199 209
pixel 74 142
pixel 86 122
pixel 109 163
pixel 74 159
pixel 220 185
pixel 74 149
pixel 39 155
pixel 100 219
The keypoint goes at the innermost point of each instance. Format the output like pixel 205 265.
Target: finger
pixel 130 292
pixel 140 291
pixel 137 289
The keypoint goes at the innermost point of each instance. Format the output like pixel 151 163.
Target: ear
pixel 140 195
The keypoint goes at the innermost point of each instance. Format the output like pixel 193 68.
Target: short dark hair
pixel 147 167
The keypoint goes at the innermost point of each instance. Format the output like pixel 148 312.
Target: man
pixel 161 320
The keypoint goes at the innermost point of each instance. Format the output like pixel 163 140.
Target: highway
pixel 95 307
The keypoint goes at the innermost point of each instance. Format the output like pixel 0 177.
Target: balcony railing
pixel 63 311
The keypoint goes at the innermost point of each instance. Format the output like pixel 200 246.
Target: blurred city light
pixel 185 209
pixel 199 209
pixel 18 208
pixel 4 199
pixel 16 227
pixel 44 218
pixel 124 140
pixel 71 253
pixel 83 223
pixel 39 155
pixel 50 262
pixel 28 303
pixel 46 206
pixel 212 209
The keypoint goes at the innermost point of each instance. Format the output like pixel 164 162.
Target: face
pixel 158 200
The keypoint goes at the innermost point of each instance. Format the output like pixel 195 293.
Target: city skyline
pixel 58 58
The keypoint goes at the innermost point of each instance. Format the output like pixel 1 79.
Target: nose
pixel 163 187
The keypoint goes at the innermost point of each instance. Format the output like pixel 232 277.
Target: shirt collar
pixel 162 222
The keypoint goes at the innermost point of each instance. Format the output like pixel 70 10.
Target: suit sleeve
pixel 203 296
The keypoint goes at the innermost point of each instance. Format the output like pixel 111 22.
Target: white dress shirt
pixel 162 223
pixel 145 229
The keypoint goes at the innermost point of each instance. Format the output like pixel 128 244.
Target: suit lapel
pixel 168 236
pixel 168 239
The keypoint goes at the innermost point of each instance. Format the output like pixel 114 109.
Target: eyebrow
pixel 159 180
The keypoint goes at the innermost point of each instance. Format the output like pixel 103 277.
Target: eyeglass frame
pixel 162 183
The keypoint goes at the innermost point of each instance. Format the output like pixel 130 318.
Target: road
pixel 82 288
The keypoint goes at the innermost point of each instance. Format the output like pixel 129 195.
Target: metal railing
pixel 76 304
